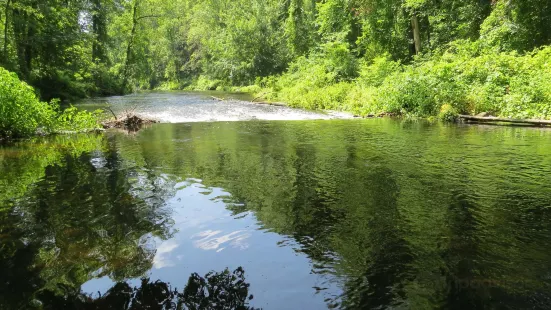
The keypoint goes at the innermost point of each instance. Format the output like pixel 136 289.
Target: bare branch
pixel 109 108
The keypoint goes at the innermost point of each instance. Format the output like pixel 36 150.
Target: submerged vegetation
pixel 406 57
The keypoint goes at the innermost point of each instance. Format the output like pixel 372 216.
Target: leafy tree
pixel 103 47
pixel 300 26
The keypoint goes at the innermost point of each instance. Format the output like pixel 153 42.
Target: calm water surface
pixel 346 214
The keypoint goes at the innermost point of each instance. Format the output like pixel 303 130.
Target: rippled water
pixel 320 214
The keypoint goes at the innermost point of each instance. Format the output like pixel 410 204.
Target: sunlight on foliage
pixel 22 114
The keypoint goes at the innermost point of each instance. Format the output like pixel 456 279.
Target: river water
pixel 212 106
pixel 319 212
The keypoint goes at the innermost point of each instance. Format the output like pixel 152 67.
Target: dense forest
pixel 400 57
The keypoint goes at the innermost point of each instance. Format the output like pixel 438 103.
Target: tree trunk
pixel 416 33
pixel 6 25
pixel 129 47
pixel 99 28
pixel 22 32
pixel 427 20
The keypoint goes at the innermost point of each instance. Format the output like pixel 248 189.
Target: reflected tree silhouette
pixel 89 214
pixel 216 291
pixel 404 218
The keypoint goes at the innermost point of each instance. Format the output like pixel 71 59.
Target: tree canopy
pixel 80 48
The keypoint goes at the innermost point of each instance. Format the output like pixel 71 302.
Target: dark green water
pixel 351 214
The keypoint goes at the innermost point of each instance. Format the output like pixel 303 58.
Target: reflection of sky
pixel 210 238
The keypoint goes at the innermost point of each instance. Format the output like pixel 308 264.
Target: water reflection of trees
pixel 90 214
pixel 404 219
pixel 392 209
pixel 320 189
pixel 216 291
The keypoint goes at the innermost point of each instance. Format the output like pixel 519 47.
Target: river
pixel 320 212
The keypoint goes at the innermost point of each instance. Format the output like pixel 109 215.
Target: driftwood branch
pixel 216 98
pixel 255 98
pixel 507 120
pixel 114 115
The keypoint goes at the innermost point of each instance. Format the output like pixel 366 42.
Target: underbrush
pixel 22 114
pixel 462 79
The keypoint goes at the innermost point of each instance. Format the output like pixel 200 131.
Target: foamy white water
pixel 182 107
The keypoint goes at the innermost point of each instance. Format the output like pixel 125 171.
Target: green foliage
pixel 334 20
pixel 300 27
pixel 71 119
pixel 520 25
pixel 52 46
pixel 22 114
pixel 373 73
pixel 204 83
pixel 448 113
pixel 506 84
pixel 238 41
pixel 339 61
pixel 293 48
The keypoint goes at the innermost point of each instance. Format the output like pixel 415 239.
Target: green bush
pixel 464 78
pixel 71 119
pixel 205 83
pixel 338 59
pixel 22 114
pixel 448 113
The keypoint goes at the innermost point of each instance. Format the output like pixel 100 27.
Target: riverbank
pixel 458 81
pixel 256 95
pixel 22 114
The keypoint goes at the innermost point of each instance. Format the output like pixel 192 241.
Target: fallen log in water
pixel 492 119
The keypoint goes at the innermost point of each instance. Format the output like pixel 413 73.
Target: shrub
pixel 464 79
pixel 22 114
pixel 204 83
pixel 71 119
pixel 338 60
pixel 448 113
